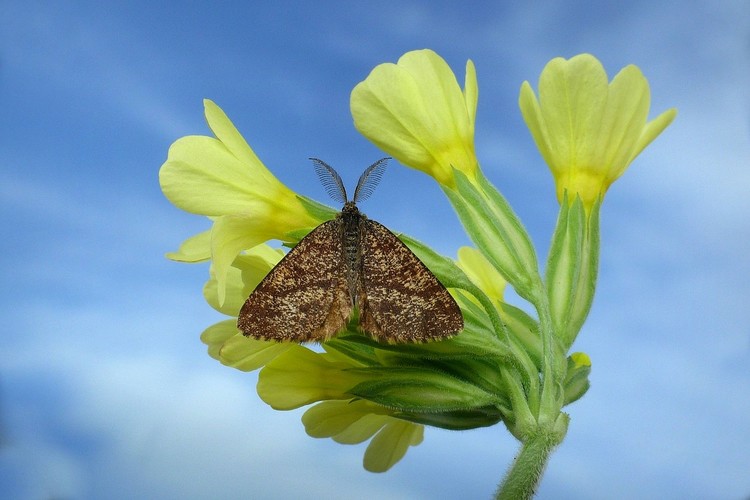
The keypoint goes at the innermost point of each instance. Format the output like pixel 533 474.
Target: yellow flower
pixel 416 112
pixel 222 178
pixel 587 129
pixel 355 421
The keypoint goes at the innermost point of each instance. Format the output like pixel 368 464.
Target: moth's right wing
pixel 400 300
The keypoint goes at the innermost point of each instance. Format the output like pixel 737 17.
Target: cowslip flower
pixel 588 129
pixel 416 112
pixel 221 177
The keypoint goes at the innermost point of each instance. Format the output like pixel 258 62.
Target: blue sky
pixel 105 388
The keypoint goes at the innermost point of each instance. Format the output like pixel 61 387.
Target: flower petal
pixel 300 376
pixel 233 293
pixel 348 422
pixel 572 96
pixel 652 130
pixel 625 117
pixel 471 94
pixel 390 444
pixel 202 176
pixel 481 272
pixel 240 279
pixel 194 249
pixel 215 335
pixel 229 346
pixel 248 354
pixel 230 235
pixel 230 137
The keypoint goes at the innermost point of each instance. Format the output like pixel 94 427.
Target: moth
pixel 350 261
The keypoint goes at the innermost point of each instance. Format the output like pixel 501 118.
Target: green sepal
pixel 577 379
pixel 353 345
pixel 481 372
pixel 317 210
pixel 496 230
pixel 458 420
pixel 291 238
pixel 572 268
pixel 525 330
pixel 449 274
pixel 418 390
pixel 469 343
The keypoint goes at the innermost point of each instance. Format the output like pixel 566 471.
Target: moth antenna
pixel 370 179
pixel 331 180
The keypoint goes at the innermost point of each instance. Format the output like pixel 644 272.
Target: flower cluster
pixel 506 365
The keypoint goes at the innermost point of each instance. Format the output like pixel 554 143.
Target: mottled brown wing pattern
pixel 305 297
pixel 399 299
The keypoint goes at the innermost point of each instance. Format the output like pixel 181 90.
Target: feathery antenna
pixel 331 180
pixel 370 179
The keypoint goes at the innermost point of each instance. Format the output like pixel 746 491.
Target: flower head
pixel 416 112
pixel 221 177
pixel 588 129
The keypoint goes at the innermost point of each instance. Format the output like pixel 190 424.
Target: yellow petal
pixel 652 130
pixel 300 376
pixel 625 116
pixel 215 335
pixel 230 235
pixel 362 429
pixel 249 354
pixel 222 177
pixel 194 249
pixel 348 422
pixel 239 279
pixel 572 96
pixel 229 346
pixel 471 94
pixel 391 443
pixel 225 131
pixel 481 272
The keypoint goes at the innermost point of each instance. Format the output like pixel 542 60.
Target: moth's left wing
pixel 305 297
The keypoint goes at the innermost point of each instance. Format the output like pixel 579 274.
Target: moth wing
pixel 400 300
pixel 305 297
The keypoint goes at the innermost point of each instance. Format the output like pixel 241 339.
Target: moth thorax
pixel 351 220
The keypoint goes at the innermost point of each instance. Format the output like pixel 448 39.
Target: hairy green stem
pixel 524 475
